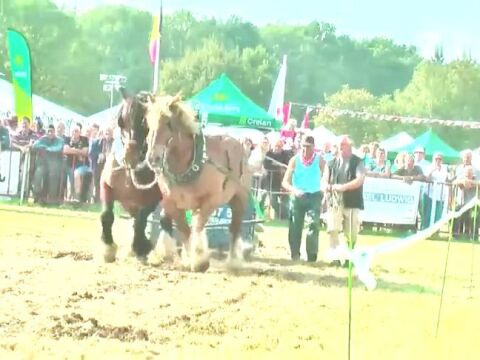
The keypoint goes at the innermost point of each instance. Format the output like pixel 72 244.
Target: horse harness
pixel 196 166
pixel 200 158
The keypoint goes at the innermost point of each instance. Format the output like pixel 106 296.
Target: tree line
pixel 70 51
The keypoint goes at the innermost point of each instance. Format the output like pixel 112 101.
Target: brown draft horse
pixel 198 173
pixel 116 184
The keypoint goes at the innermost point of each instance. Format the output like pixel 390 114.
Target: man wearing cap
pixel 343 184
pixel 420 160
pixel 302 179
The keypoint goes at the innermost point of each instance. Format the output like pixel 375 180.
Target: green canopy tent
pixel 222 102
pixel 432 144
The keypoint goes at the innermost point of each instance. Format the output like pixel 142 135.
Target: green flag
pixel 19 56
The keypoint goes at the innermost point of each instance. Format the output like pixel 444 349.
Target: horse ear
pixel 148 101
pixel 175 99
pixel 124 92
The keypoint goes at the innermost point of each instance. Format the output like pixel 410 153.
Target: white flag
pixel 278 95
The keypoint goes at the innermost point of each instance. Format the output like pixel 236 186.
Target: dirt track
pixel 57 302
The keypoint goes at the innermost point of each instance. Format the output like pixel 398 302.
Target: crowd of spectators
pixel 62 167
pixel 68 167
pixel 436 177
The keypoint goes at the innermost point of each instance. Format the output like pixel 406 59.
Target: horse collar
pixel 196 166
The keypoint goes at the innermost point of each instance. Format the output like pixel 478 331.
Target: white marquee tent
pixel 104 117
pixel 322 135
pixel 396 141
pixel 236 132
pixel 41 107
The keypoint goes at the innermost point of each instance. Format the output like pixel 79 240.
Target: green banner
pixel 19 56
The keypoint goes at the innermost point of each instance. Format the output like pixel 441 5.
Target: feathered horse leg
pixel 109 247
pixel 199 254
pixel 238 205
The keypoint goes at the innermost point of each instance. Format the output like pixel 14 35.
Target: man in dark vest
pixel 343 183
pixel 303 180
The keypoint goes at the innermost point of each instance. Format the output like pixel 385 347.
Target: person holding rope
pixel 303 179
pixel 275 164
pixel 343 184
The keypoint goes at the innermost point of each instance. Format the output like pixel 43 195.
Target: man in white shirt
pixel 422 163
pixel 437 191
pixel 467 157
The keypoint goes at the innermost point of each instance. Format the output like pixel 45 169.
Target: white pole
pixel 26 168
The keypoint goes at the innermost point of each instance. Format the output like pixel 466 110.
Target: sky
pixel 425 24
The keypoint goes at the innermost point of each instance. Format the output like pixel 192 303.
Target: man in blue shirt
pixel 48 165
pixel 4 138
pixel 4 143
pixel 302 179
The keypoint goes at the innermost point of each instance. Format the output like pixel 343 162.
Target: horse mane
pixel 166 107
pixel 128 106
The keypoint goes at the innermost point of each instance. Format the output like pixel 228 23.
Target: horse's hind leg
pixel 165 248
pixel 107 218
pixel 237 204
pixel 141 246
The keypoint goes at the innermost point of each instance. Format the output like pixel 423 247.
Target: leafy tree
pixel 377 75
pixel 444 92
pixel 114 41
pixel 250 69
pixel 198 68
pixel 354 100
pixel 46 28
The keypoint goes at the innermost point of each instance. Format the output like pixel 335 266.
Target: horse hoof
pixel 155 259
pixel 141 251
pixel 201 266
pixel 247 254
pixel 234 264
pixel 109 253
pixel 142 260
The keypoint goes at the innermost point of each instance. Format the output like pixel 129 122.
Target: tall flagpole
pixel 156 70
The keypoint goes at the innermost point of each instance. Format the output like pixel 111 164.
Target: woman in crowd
pixel 379 167
pixel 364 151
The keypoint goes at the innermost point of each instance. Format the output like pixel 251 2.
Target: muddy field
pixel 57 302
